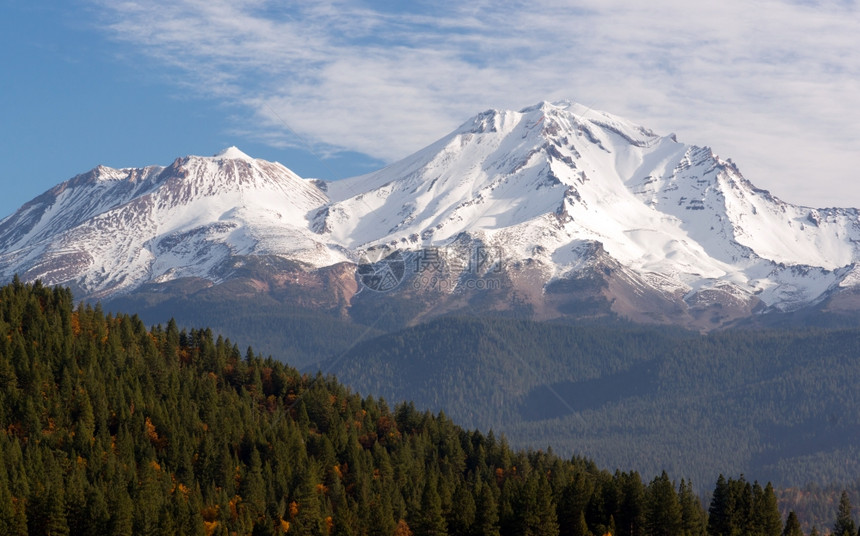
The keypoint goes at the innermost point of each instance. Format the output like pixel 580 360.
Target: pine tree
pixel 719 513
pixel 309 518
pixel 742 495
pixel 380 516
pixel 76 501
pixel 631 517
pixel 429 520
pixel 18 527
pixel 47 512
pixel 792 526
pixel 345 520
pixel 692 513
pixel 56 523
pixel 122 510
pixel 768 514
pixel 571 505
pixel 534 509
pixel 663 516
pixel 844 525
pixel 486 512
pixel 148 500
pixel 98 513
pixel 85 427
pixel 582 526
pixel 7 507
pixel 462 515
pixel 253 488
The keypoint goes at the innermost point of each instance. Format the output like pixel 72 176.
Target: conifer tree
pixel 486 512
pixel 54 508
pixel 7 507
pixel 792 526
pixel 844 525
pixel 122 513
pixel 534 511
pixel 253 487
pixel 692 514
pixel 344 522
pixel 582 526
pixel 663 516
pixel 572 503
pixel 97 519
pixel 631 517
pixel 309 518
pixel 742 518
pixel 462 515
pixel 18 527
pixel 76 501
pixel 429 520
pixel 720 513
pixel 768 517
pixel 86 425
pixel 380 516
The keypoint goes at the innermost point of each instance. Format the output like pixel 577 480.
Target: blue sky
pixel 334 89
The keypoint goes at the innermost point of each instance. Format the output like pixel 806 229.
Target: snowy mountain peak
pixel 542 181
pixel 560 105
pixel 558 187
pixel 233 153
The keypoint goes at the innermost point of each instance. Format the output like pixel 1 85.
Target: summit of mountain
pixel 555 210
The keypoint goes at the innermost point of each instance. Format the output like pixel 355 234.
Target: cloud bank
pixel 773 84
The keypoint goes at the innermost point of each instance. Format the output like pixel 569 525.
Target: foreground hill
pixel 109 428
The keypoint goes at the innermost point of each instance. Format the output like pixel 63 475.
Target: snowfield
pixel 546 184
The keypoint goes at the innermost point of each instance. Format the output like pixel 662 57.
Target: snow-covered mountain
pixel 574 204
pixel 110 230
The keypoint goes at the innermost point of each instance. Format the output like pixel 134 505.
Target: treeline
pixel 288 332
pixel 112 428
pixel 816 504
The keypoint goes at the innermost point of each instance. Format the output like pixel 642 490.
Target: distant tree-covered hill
pixel 773 404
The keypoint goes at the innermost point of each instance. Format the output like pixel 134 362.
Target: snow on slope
pixel 159 224
pixel 542 181
pixel 552 183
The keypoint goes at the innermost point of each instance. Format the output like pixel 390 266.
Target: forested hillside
pixel 276 325
pixel 773 404
pixel 112 428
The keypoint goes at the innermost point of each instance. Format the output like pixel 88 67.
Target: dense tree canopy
pixel 112 428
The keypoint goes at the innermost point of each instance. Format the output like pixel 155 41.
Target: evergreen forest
pixel 777 404
pixel 111 427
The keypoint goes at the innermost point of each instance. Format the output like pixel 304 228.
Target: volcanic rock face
pixel 553 210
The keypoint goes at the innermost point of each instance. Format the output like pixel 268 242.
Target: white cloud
pixel 772 84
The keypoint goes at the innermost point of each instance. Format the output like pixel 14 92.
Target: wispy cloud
pixel 773 84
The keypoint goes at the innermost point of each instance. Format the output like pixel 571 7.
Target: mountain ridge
pixel 665 231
